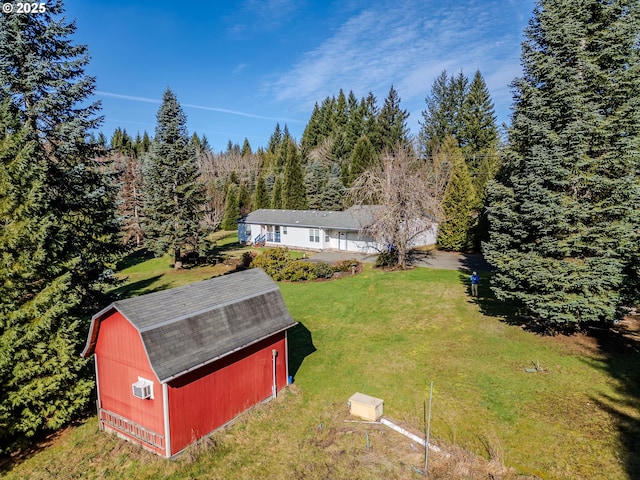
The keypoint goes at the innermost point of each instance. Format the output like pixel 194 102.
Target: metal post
pixel 426 450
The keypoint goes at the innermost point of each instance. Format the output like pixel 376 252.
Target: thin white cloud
pixel 407 44
pixel 199 107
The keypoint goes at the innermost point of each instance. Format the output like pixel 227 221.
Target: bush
pixel 247 259
pixel 298 271
pixel 388 258
pixel 346 265
pixel 272 261
pixel 323 270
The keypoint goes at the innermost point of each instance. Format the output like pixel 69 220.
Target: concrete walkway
pixel 431 259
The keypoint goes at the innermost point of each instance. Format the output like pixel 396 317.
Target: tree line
pixel 554 206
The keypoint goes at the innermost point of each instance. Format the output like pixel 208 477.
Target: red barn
pixel 175 365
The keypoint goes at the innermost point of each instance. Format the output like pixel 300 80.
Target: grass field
pixel 389 334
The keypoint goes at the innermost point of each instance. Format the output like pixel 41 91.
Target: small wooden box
pixel 365 406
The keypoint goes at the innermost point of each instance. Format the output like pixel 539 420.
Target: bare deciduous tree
pixel 408 192
pixel 215 172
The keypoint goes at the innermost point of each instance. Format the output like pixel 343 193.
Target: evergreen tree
pixel 334 192
pixel 393 122
pixel 174 197
pixel 478 130
pixel 276 195
pixel 58 233
pixel 246 148
pixel 340 116
pixel 370 113
pixel 564 211
pixel 42 386
pixel 315 180
pixel 459 203
pixel 364 155
pixel 261 196
pixel 244 200
pixel 444 114
pixel 275 140
pixel 311 135
pixel 294 196
pixel 231 208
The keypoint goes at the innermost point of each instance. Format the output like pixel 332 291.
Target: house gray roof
pixel 187 327
pixel 355 218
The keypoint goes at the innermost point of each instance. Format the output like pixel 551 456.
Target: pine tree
pixel 370 113
pixel 231 208
pixel 275 140
pixel 478 130
pixel 364 155
pixel 315 180
pixel 311 135
pixel 59 231
pixel 334 192
pixel 444 115
pixel 393 122
pixel 459 204
pixel 244 200
pixel 564 211
pixel 294 196
pixel 246 148
pixel 276 194
pixel 261 196
pixel 174 197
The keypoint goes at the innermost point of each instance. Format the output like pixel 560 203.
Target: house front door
pixel 342 240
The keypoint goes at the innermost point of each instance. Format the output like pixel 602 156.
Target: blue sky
pixel 238 67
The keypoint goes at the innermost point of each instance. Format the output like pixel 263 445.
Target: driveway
pixel 431 259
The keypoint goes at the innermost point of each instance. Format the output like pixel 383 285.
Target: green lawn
pixel 389 334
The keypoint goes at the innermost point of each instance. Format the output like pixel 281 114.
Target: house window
pixel 314 235
pixel 143 388
pixel 284 230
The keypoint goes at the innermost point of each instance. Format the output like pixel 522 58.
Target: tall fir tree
pixel 294 195
pixel 246 148
pixel 174 198
pixel 315 182
pixel 459 204
pixel 363 157
pixel 59 230
pixel 444 115
pixel 231 208
pixel 564 211
pixel 276 194
pixel 478 129
pixel 392 122
pixel 261 195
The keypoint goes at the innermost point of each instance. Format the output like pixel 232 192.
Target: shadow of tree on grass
pixel 136 288
pixel 618 355
pixel 620 348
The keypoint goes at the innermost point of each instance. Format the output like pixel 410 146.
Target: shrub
pixel 298 271
pixel 273 261
pixel 247 259
pixel 346 265
pixel 323 270
pixel 388 258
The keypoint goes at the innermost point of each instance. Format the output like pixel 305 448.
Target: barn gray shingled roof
pixel 186 327
pixel 355 218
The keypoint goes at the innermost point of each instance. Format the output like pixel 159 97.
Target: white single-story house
pixel 318 230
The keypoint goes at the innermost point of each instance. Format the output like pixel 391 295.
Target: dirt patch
pixel 596 341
